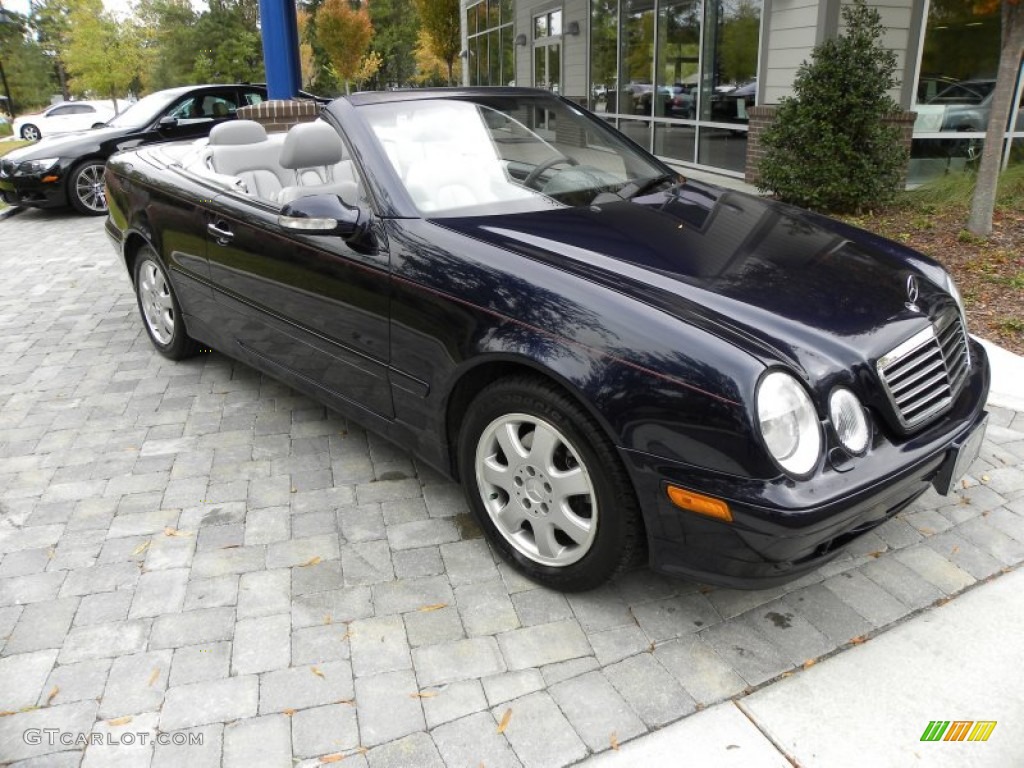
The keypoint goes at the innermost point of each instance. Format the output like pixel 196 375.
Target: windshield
pixel 144 111
pixel 489 155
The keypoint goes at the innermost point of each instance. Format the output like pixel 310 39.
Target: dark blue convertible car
pixel 614 362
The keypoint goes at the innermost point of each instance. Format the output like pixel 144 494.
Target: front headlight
pixel 849 421
pixel 37 166
pixel 789 424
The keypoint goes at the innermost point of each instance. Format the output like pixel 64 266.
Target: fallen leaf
pixel 141 548
pixel 857 640
pixel 362 750
pixel 810 663
pixel 706 589
pixel 295 490
pixel 168 531
pixel 312 561
pixel 120 720
pixel 504 720
pixel 614 740
pixel 153 677
pixel 231 546
pixel 53 695
pixel 433 607
pixel 877 553
pixel 348 634
pixel 650 648
pixel 926 531
pixel 51 553
pixel 984 478
pixel 328 619
pixel 337 757
pixel 316 671
pixel 955 549
pixel 423 695
pixel 963 483
pixel 7 713
pixel 350 702
pixel 288 712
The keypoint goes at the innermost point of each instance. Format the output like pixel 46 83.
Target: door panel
pixel 309 304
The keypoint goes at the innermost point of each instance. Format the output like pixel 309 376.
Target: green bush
pixel 830 147
pixel 5 128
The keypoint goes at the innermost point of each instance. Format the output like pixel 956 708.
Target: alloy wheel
pixel 157 304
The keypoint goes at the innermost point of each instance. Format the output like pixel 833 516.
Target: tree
pixel 1012 50
pixel 27 68
pixel 395 25
pixel 831 147
pixel 430 70
pixel 440 21
pixel 344 33
pixel 228 44
pixel 307 58
pixel 104 54
pixel 50 19
pixel 170 46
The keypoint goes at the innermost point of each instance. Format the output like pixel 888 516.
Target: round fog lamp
pixel 849 421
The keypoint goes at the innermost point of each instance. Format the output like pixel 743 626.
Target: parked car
pixel 683 102
pixel 615 362
pixel 65 117
pixel 68 170
pixel 968 105
pixel 731 105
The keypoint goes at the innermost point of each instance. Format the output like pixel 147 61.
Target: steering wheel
pixel 532 177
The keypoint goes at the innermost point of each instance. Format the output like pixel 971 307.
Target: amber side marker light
pixel 702 505
pixel 49 179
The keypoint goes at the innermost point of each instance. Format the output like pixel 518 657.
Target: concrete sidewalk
pixel 870 705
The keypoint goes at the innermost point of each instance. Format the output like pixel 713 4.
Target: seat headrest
pixel 237 132
pixel 310 145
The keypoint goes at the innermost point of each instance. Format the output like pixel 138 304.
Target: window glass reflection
pixel 636 59
pixel 604 20
pixel 677 67
pixel 731 36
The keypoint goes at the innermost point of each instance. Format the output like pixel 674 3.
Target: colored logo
pixel 958 730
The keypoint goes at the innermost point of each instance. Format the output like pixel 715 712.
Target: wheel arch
pixel 486 371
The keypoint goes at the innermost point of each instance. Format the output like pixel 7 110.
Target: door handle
pixel 223 236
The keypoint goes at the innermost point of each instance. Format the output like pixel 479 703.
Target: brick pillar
pixel 763 116
pixel 278 116
pixel 905 122
pixel 760 118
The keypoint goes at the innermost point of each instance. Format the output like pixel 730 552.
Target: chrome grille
pixel 924 374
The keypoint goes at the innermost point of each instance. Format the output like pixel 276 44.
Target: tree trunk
pixel 62 75
pixel 450 64
pixel 984 200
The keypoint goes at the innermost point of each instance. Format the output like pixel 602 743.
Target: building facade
pixel 680 76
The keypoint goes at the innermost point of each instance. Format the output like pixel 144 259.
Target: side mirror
pixel 324 215
pixel 167 122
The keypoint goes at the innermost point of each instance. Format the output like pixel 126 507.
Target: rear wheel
pixel 85 188
pixel 547 486
pixel 159 307
pixel 30 132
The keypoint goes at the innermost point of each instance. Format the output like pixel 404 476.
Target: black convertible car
pixel 615 362
pixel 68 169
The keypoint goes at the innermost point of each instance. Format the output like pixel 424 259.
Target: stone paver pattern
pixel 199 566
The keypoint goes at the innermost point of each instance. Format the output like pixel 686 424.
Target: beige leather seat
pixel 242 149
pixel 315 154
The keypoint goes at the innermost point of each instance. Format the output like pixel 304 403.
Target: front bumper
pixel 782 529
pixel 33 191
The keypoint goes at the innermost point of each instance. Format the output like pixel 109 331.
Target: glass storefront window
pixel 959 60
pixel 675 141
pixel 490 44
pixel 731 35
pixel 723 148
pixel 636 94
pixel 677 67
pixel 604 21
pixel 677 64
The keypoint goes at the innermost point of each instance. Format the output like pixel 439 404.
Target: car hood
pixel 784 283
pixel 68 144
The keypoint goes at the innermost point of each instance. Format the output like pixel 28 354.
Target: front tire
pixel 30 133
pixel 85 188
pixel 161 313
pixel 547 486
